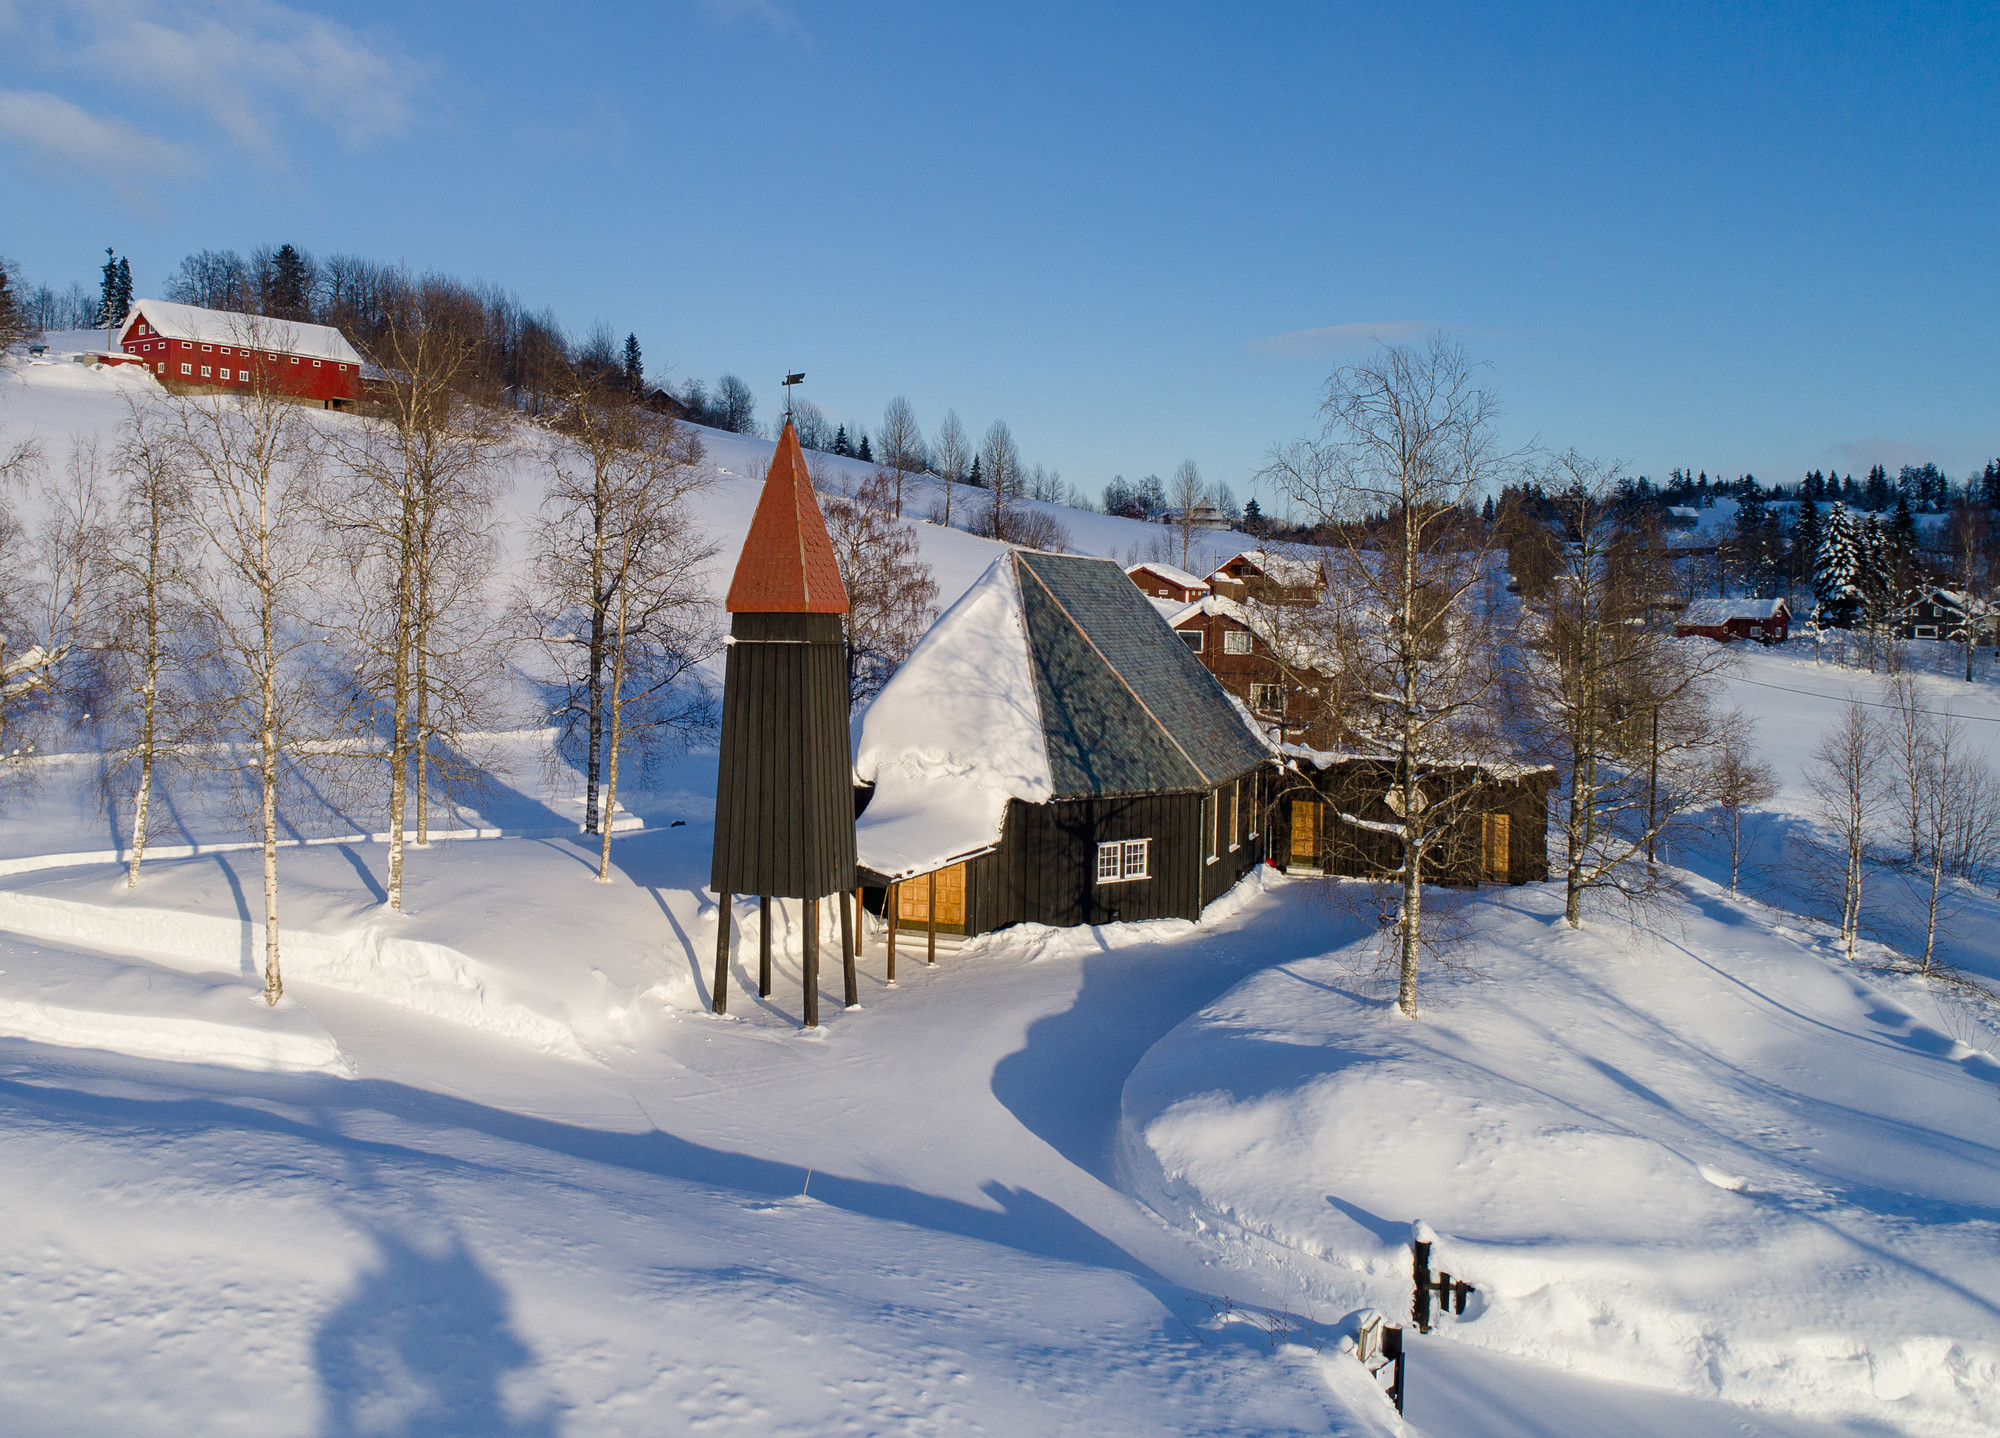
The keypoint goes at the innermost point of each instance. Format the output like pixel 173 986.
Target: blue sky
pixel 1729 237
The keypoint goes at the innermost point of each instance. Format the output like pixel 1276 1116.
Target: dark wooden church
pixel 784 798
pixel 1052 753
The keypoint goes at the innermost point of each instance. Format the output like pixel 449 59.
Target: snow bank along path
pixel 1714 1160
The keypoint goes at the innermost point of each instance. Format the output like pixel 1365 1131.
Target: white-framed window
pixel 316 364
pixel 1235 641
pixel 1925 631
pixel 1120 860
pixel 159 366
pixel 206 348
pixel 295 359
pixel 187 369
pixel 1191 638
pixel 1236 814
pixel 1267 698
pixel 224 350
pixel 207 371
pixel 243 375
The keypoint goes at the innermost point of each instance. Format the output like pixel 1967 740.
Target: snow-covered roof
pixel 1169 573
pixel 1282 568
pixel 1682 511
pixel 1721 611
pixel 1327 758
pixel 191 322
pixel 1052 677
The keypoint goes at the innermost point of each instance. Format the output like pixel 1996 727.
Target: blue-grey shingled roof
pixel 1126 707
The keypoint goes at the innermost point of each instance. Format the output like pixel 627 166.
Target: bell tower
pixel 784 794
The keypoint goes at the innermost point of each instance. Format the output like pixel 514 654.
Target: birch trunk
pixel 617 736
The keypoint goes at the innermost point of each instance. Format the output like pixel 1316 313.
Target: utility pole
pixel 1653 785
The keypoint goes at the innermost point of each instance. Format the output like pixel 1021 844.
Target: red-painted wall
pixel 212 366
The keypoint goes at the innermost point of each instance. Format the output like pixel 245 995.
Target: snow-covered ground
pixel 492 1167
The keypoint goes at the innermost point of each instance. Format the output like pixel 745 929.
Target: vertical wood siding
pixel 784 797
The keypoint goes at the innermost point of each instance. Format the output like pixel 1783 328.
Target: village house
pixel 1938 613
pixel 1270 577
pixel 1052 753
pixel 1157 580
pixel 193 350
pixel 1499 832
pixel 1270 676
pixel 1768 621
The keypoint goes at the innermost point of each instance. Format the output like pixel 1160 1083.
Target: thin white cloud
pixel 1334 339
pixel 248 67
pixel 53 130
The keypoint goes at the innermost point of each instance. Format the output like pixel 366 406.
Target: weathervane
pixel 790 380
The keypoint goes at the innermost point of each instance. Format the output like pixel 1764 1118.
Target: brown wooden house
pixel 1501 836
pixel 1163 581
pixel 1768 621
pixel 1284 695
pixel 1270 577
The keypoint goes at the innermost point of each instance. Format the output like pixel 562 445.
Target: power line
pixel 1851 699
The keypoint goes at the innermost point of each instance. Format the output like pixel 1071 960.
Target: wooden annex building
pixel 1052 753
pixel 1500 837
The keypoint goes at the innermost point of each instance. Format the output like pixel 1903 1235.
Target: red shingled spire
pixel 787 565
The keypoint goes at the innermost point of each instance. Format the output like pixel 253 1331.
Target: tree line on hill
pixel 234 591
pixel 525 357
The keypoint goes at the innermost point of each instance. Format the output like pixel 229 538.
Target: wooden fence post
pixel 930 923
pixel 893 898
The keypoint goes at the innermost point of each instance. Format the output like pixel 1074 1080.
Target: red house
pixel 207 351
pixel 1768 621
pixel 1163 581
pixel 1274 578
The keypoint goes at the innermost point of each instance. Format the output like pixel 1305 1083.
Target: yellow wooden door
pixel 913 897
pixel 1305 831
pixel 1498 832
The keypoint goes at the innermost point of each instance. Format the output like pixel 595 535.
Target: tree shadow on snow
pixel 421 1348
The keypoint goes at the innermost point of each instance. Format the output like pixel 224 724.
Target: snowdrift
pixel 1714 1161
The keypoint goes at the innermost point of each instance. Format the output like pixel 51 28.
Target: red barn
pixel 206 351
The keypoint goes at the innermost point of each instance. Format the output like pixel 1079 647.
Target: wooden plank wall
pixel 784 799
pixel 1357 787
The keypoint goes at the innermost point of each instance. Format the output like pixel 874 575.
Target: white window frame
pixel 1235 815
pixel 186 368
pixel 1192 638
pixel 1923 631
pixel 208 371
pixel 1237 641
pixel 1121 861
pixel 1276 711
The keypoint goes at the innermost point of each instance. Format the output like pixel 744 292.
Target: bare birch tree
pixel 27 669
pixel 251 466
pixel 1624 709
pixel 951 452
pixel 1846 786
pixel 1001 462
pixel 1187 494
pixel 415 508
pixel 1740 781
pixel 1407 438
pixel 891 592
pixel 617 604
pixel 899 446
pixel 151 561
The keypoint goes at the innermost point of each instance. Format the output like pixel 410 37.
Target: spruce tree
pixel 290 296
pixel 972 476
pixel 107 304
pixel 1989 485
pixel 1253 516
pixel 635 371
pixel 1876 492
pixel 863 453
pixel 1805 540
pixel 841 447
pixel 1836 595
pixel 124 290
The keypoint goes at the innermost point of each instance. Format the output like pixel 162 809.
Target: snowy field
pixel 491 1167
